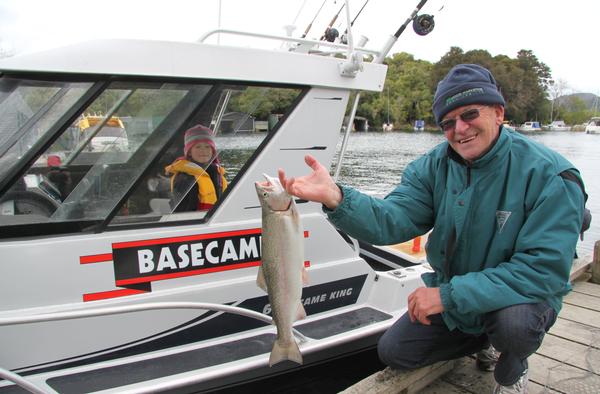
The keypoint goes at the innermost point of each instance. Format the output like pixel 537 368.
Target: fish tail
pixel 281 352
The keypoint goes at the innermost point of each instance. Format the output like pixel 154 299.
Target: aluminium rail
pixel 46 317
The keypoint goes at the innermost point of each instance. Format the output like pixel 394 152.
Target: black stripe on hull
pixel 318 298
pixel 121 375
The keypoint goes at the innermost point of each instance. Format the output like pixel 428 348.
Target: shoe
pixel 520 386
pixel 487 359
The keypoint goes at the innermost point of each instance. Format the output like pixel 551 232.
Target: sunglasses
pixel 467 116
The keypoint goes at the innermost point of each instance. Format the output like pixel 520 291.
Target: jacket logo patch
pixel 501 219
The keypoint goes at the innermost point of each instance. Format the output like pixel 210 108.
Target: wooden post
pixel 596 263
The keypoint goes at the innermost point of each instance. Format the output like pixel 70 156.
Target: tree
pixel 555 90
pixel 578 111
pixel 536 79
pixel 407 87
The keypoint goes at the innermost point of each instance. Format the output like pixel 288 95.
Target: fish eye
pixel 265 194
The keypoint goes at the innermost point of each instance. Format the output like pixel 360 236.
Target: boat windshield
pixel 97 151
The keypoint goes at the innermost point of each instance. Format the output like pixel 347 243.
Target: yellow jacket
pixel 207 195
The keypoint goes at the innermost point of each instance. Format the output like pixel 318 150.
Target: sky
pixel 562 34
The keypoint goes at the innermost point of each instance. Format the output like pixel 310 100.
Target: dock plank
pixel 390 381
pixel 466 378
pixel 587 288
pixel 583 300
pixel 580 315
pixel 440 386
pixel 571 353
pixel 561 377
pixel 576 332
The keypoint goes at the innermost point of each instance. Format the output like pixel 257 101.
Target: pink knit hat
pixel 197 134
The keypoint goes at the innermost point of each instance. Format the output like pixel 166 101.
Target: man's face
pixel 475 131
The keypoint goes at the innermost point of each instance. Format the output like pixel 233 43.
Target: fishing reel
pixel 423 24
pixel 331 34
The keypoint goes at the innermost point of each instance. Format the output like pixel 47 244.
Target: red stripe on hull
pixel 95 258
pixel 103 295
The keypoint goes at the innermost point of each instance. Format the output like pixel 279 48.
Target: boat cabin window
pixel 71 159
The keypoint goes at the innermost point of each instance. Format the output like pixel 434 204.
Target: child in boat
pixel 197 178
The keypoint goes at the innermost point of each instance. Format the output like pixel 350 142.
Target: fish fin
pixel 300 312
pixel 260 280
pixel 304 276
pixel 281 353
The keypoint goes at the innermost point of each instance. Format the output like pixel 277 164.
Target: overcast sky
pixel 562 34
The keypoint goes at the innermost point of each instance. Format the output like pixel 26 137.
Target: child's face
pixel 201 152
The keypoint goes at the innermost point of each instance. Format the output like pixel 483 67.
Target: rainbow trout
pixel 282 272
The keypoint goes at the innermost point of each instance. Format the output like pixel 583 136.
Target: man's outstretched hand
pixel 318 186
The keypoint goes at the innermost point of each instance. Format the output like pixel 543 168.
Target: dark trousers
pixel 516 331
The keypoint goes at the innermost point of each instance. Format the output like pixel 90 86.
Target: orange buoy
pixel 416 246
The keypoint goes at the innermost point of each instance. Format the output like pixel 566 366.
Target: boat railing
pixel 343 48
pixel 46 317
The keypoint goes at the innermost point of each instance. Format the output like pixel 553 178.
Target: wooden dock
pixel 567 362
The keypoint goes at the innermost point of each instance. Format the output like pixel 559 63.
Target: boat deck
pixel 567 362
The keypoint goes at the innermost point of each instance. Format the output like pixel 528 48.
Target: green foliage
pixel 578 112
pixel 410 85
pixel 406 95
pixel 262 101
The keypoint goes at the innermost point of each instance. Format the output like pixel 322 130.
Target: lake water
pixel 374 163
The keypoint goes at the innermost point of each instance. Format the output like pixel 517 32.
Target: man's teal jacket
pixel 504 227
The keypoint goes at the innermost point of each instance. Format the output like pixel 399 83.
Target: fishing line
pixel 299 12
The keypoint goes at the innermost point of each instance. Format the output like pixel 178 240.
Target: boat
pixel 529 126
pixel 557 125
pixel 104 287
pixel 387 126
pixel 593 126
pixel 419 125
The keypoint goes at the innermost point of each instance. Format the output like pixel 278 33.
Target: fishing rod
pixel 313 20
pixel 331 34
pixel 344 38
pixel 423 25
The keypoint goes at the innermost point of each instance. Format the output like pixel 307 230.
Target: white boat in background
pixel 593 126
pixel 105 288
pixel 557 125
pixel 529 126
pixel 419 125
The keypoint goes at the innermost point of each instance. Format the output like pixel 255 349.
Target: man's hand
pixel 423 302
pixel 317 186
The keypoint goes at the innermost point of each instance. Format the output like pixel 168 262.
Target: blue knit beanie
pixel 463 85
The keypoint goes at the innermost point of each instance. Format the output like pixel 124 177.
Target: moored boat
pixel 593 126
pixel 529 127
pixel 106 286
pixel 419 125
pixel 557 125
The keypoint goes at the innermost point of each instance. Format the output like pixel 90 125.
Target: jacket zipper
pixel 452 238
